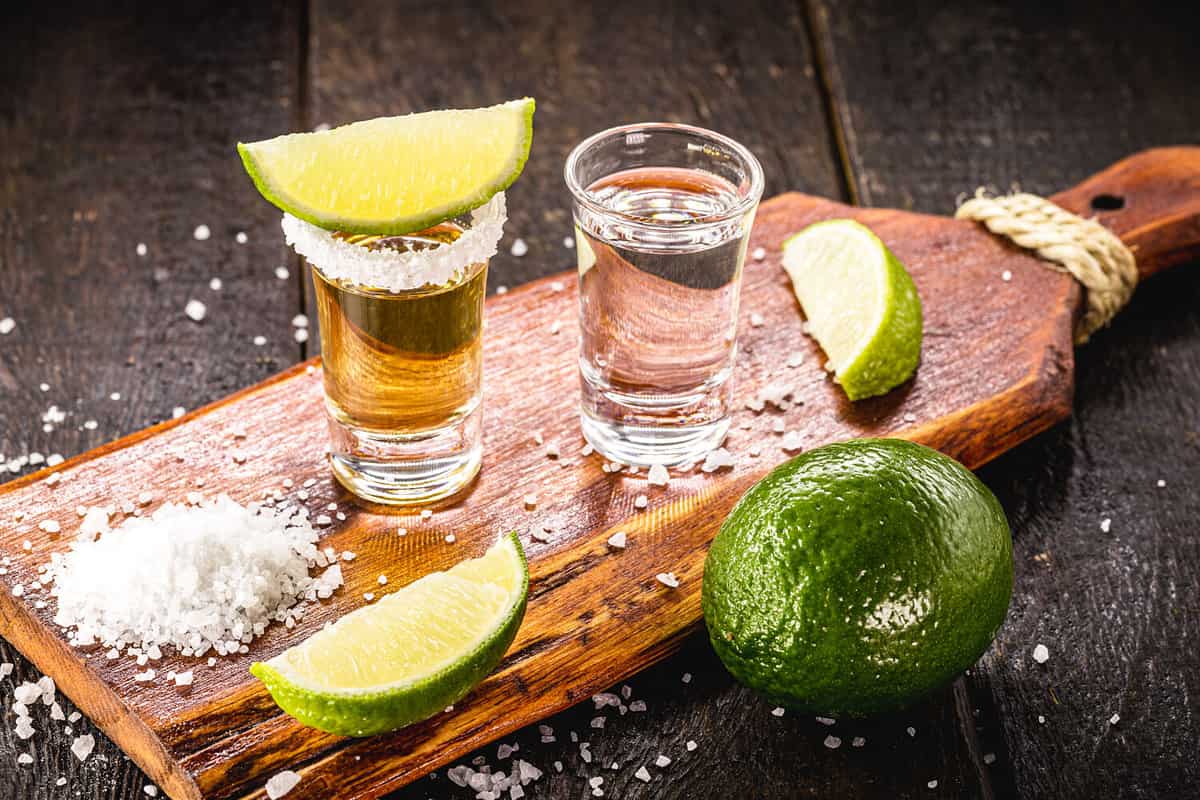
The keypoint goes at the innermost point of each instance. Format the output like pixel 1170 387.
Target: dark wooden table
pixel 117 128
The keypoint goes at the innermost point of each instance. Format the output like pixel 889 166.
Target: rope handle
pixel 1084 248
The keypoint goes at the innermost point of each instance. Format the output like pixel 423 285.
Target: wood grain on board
pixel 996 369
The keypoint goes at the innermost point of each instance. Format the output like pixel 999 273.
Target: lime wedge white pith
pixel 861 304
pixel 409 655
pixel 394 174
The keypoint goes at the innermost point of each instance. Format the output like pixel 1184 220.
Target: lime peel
pixel 394 175
pixel 377 669
pixel 862 306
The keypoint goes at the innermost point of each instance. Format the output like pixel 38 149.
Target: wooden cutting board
pixel 996 369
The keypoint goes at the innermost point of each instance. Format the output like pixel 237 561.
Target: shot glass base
pixel 645 445
pixel 406 469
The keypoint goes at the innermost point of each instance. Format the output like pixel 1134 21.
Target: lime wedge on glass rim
pixel 861 304
pixel 393 175
pixel 408 656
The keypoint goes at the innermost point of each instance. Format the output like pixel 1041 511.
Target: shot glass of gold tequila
pixel 401 321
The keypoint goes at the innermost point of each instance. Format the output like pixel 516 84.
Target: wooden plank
pixel 933 100
pixel 117 129
pixel 594 615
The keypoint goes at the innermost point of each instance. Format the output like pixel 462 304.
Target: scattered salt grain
pixel 140 249
pixel 792 442
pixel 833 742
pixel 858 741
pixel 932 784
pixel 300 335
pixel 177 412
pixel 1161 483
pixel 691 745
pixel 687 677
pixel 777 711
pixel 1005 276
pixel 826 721
pixel 282 783
pixel 795 359
pixel 519 248
pixel 150 790
pixel 617 540
pixel 1040 654
pixel 7 325
pixel 215 284
pixel 717 459
pixel 657 475
pixel 759 254
pixel 989 758
pixel 1114 719
pixel 195 310
pixel 637 706
pixel 49 526
pixel 642 774
pixel 201 233
pixel 183 678
pixel 24 758
pixel 667 579
pixel 241 237
pixel 259 341
pixel 83 745
pixel 450 538
pixel 530 501
pixel 641 501
pixel 1106 525
pixel 911 731
pixel 557 286
pixel 282 273
pixel 756 320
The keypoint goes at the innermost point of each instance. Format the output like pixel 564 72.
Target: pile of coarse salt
pixel 209 576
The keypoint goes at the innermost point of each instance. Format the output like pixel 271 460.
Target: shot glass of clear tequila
pixel 401 321
pixel 662 219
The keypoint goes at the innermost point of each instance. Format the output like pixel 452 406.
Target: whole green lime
pixel 858 577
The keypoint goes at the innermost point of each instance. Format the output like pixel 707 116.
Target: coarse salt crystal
pixel 641 501
pixel 282 273
pixel 667 579
pixel 7 325
pixel 195 310
pixel 756 320
pixel 617 540
pixel 658 475
pixel 833 742
pixel 1106 525
pixel 691 745
pixel 777 711
pixel 140 249
pixel 530 501
pixel 49 526
pixel 858 741
pixel 201 233
pixel 662 761
pixel 280 784
pixel 519 248
pixel 24 758
pixel 1041 654
pixel 795 359
pixel 241 238
pixel 642 774
pixel 792 442
pixel 83 745
pixel 1005 276
pixel 557 286
pixel 759 254
pixel 717 459
pixel 1114 719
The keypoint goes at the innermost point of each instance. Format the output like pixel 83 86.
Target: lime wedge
pixel 861 304
pixel 394 174
pixel 410 655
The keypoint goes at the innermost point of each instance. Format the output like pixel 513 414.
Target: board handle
pixel 1151 200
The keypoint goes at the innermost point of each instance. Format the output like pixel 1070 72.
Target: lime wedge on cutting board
pixel 861 304
pixel 408 656
pixel 394 174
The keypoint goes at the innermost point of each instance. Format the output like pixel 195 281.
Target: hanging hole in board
pixel 1108 202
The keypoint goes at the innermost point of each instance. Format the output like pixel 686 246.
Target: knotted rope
pixel 1082 247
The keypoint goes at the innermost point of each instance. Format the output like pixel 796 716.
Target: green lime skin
pixel 858 578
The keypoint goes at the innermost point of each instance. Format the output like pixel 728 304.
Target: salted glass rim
pixel 395 271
